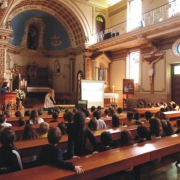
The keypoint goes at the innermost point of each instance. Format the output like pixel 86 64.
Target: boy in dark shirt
pixel 106 139
pixel 51 154
pixel 142 132
pixel 178 126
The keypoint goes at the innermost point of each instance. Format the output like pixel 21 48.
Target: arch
pixel 66 12
pixel 100 23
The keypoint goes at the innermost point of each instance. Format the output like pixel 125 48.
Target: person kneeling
pixel 51 154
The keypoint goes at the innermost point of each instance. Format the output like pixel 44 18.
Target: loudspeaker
pixel 81 104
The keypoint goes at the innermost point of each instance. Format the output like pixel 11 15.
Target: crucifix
pixel 151 62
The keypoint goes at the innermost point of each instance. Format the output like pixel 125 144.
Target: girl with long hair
pixel 77 137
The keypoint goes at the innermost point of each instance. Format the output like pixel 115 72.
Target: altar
pixel 111 99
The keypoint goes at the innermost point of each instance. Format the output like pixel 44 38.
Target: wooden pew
pixel 170 114
pixel 143 110
pixel 109 162
pixel 33 147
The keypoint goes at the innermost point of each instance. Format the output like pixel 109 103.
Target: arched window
pixel 100 23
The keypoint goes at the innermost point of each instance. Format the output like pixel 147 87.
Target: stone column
pixel 88 64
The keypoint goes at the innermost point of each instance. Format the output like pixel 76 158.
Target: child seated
pixel 10 159
pixel 51 154
pixel 3 120
pixel 62 127
pixel 178 126
pixel 55 117
pixel 69 117
pixel 43 128
pixel 106 139
pixel 131 120
pixel 119 111
pixel 142 132
pixel 21 121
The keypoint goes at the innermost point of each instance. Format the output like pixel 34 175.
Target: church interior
pixel 133 46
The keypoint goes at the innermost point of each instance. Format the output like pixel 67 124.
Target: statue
pixel 151 61
pixel 101 74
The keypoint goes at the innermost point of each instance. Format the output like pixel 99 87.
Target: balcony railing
pixel 156 15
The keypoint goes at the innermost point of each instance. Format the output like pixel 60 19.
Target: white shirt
pixel 101 124
pixel 5 124
pixel 40 120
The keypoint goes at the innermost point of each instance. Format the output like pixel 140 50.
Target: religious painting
pixel 128 86
pixel 32 42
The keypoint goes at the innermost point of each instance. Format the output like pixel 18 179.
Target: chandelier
pixel 3 4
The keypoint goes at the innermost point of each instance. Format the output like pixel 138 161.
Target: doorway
pixel 176 83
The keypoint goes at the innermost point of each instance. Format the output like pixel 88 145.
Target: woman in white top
pixel 48 102
pixel 34 118
pixel 100 123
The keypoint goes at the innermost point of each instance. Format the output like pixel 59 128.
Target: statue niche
pixel 32 38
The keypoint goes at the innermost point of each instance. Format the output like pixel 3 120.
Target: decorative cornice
pixel 118 11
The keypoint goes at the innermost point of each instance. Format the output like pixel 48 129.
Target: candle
pixel 19 76
pixel 25 83
pixel 21 83
pixel 11 75
pixel 4 75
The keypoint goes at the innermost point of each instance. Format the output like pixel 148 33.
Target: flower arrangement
pixel 20 94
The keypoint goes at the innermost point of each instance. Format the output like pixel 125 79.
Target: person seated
pixel 52 154
pixel 119 111
pixel 4 88
pixel 29 132
pixel 3 120
pixel 92 125
pixel 112 111
pixel 74 110
pixel 93 108
pixel 170 129
pixel 69 117
pixel 62 127
pixel 77 138
pixel 10 159
pixel 106 112
pixel 51 111
pixel 7 113
pixel 100 123
pixel 18 114
pixel 174 107
pixel 156 130
pixel 106 139
pixel 131 120
pixel 115 121
pixel 142 132
pixel 27 113
pixel 43 129
pixel 148 115
pixel 137 116
pixel 49 99
pixel 55 117
pixel 40 112
pixel 178 126
pixel 34 118
pixel 21 121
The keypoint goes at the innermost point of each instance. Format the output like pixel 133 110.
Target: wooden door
pixel 176 83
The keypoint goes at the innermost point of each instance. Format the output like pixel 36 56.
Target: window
pixel 135 11
pixel 134 66
pixel 176 70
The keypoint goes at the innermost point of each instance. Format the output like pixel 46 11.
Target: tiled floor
pixel 169 172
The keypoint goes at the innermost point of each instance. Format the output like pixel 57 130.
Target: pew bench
pixel 143 110
pixel 33 147
pixel 105 163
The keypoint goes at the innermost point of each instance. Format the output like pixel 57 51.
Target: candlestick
pixel 11 75
pixel 4 75
pixel 19 76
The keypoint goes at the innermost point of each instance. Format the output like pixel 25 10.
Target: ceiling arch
pixel 60 11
